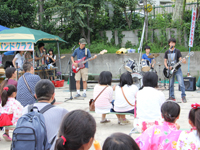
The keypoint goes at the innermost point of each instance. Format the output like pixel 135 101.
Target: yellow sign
pixel 148 8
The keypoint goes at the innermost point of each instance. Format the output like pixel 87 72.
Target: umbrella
pixel 23 34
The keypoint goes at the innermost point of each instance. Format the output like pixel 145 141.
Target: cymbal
pixel 153 55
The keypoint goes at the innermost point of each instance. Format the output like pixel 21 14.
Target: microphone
pixel 73 47
pixel 171 47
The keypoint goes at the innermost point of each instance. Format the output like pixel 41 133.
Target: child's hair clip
pixel 195 106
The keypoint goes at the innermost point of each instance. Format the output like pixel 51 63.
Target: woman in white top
pixel 122 104
pixel 103 102
pixel 19 59
pixel 149 102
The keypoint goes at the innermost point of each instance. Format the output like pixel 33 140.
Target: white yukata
pixel 188 140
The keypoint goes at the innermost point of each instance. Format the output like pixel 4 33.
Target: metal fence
pixel 165 9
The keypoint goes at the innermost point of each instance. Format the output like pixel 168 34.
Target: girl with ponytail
pixel 191 139
pixel 9 105
pixel 76 132
pixel 10 78
pixel 163 136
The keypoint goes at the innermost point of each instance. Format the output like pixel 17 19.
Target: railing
pixel 165 9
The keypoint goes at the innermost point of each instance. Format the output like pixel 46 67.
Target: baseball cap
pixel 82 41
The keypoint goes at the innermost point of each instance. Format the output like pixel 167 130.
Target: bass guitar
pixel 169 73
pixel 82 61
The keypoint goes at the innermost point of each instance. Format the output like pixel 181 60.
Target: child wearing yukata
pixel 165 136
pixel 190 140
pixel 9 105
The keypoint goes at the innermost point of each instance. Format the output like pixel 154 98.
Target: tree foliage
pixel 18 13
pixel 127 7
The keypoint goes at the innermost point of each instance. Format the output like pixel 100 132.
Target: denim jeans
pixel 179 77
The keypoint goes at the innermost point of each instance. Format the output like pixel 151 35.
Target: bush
pixel 128 44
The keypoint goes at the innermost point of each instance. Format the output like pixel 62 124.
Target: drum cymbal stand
pixel 120 68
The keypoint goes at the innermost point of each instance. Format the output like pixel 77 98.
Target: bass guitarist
pixel 172 56
pixel 83 73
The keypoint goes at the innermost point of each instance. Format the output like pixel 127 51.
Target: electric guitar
pixel 169 73
pixel 82 61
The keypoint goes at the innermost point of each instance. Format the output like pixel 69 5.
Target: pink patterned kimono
pixel 12 107
pixel 159 137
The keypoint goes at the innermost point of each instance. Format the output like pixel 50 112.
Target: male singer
pixel 172 56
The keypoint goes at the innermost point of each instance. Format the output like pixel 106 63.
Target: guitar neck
pixel 90 58
pixel 179 62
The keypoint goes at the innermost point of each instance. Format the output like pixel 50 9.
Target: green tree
pixel 127 7
pixel 80 15
pixel 18 13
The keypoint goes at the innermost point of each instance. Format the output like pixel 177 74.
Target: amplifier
pixel 190 83
pixel 73 83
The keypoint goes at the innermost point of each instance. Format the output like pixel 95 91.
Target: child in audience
pixel 190 140
pixel 163 136
pixel 76 132
pixel 9 105
pixel 125 95
pixel 120 141
pixel 103 102
pixel 11 75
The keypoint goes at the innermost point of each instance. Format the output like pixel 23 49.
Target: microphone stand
pixel 159 70
pixel 169 65
pixel 70 75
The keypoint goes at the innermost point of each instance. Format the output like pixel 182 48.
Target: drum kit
pixel 137 71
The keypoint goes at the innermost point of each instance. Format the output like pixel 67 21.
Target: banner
pixel 192 28
pixel 17 46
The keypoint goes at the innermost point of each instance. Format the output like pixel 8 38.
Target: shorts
pixel 82 73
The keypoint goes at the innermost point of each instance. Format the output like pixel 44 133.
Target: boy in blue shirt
pixel 82 73
pixel 145 56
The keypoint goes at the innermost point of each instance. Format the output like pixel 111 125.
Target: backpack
pixel 30 132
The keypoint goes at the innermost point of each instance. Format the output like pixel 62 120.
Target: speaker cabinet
pixel 190 83
pixel 73 83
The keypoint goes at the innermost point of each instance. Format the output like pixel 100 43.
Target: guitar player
pixel 82 73
pixel 172 56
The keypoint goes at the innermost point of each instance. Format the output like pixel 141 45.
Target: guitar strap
pixel 85 51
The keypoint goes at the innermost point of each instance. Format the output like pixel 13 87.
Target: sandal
pixel 7 137
pixel 124 121
pixel 104 121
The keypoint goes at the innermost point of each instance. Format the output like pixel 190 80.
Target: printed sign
pixel 17 46
pixel 192 28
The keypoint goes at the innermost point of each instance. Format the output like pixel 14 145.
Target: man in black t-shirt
pixel 173 56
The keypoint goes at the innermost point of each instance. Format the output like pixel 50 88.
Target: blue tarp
pixel 3 28
pixel 9 52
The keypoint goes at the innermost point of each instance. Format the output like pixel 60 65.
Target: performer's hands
pixel 95 56
pixel 169 68
pixel 184 61
pixel 75 64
